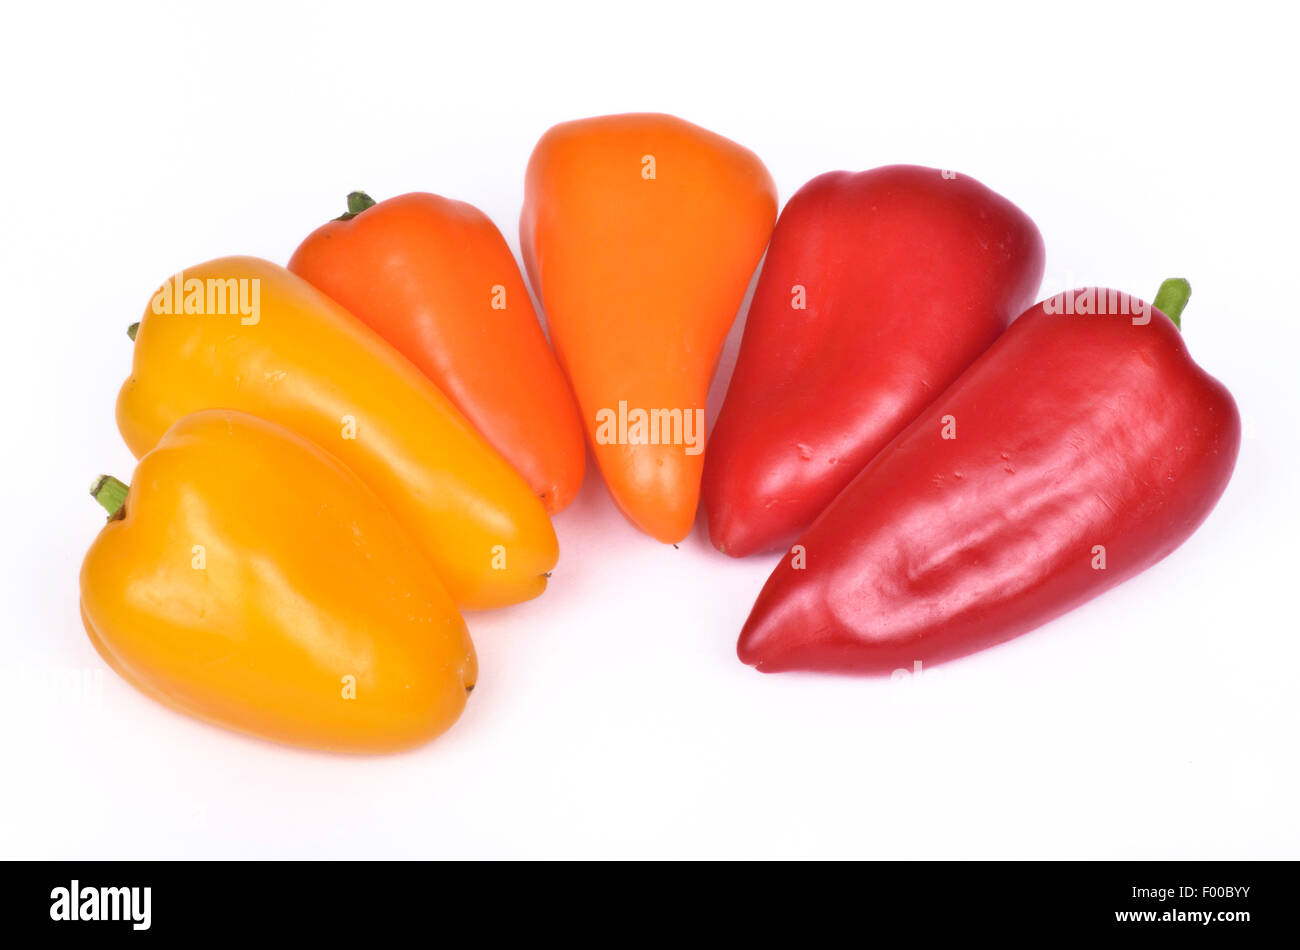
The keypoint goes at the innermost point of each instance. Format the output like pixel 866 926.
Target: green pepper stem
pixel 358 201
pixel 132 330
pixel 1172 297
pixel 111 493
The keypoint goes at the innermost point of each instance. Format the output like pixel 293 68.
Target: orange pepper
pixel 436 279
pixel 640 233
pixel 252 580
pixel 299 359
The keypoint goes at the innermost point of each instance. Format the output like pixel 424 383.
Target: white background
pixel 612 718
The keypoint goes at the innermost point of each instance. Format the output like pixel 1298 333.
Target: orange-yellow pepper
pixel 242 333
pixel 250 579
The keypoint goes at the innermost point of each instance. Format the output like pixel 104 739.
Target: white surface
pixel 611 717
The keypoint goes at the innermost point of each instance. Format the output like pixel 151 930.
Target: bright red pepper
pixel 1079 450
pixel 879 288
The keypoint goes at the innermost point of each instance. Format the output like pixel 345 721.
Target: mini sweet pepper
pixel 878 289
pixel 1081 448
pixel 250 579
pixel 435 278
pixel 640 233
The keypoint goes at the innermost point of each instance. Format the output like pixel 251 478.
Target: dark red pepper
pixel 878 289
pixel 1080 449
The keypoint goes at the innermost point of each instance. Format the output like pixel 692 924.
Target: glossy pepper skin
pixel 306 363
pixel 878 289
pixel 435 278
pixel 253 581
pixel 640 234
pixel 1084 448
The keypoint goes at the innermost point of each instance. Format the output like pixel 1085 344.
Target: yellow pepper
pixel 252 580
pixel 242 333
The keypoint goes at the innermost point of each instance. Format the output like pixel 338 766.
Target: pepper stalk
pixel 111 493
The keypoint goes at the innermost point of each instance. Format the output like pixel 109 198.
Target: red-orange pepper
pixel 435 278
